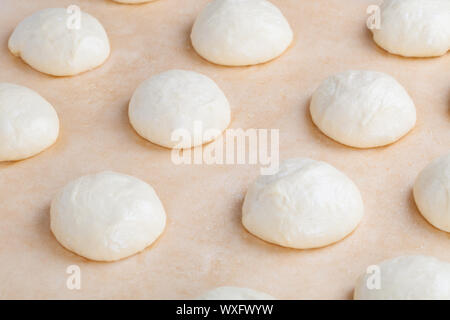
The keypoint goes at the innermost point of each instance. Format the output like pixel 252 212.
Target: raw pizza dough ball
pixel 28 123
pixel 414 28
pixel 240 32
pixel 306 204
pixel 234 293
pixel 405 278
pixel 179 103
pixel 432 193
pixel 133 1
pixel 49 42
pixel 363 109
pixel 107 216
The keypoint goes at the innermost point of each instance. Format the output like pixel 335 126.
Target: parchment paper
pixel 204 244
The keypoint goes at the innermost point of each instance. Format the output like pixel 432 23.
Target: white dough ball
pixel 49 41
pixel 107 216
pixel 405 278
pixel 133 1
pixel 240 32
pixel 432 193
pixel 234 293
pixel 306 204
pixel 363 109
pixel 179 102
pixel 414 28
pixel 28 123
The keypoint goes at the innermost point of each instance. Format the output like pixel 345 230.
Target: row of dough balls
pixel 308 204
pixel 314 189
pixel 114 236
pixel 357 108
pixel 226 32
pixel 411 277
pixel 175 99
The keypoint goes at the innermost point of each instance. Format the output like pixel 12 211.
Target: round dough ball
pixel 306 204
pixel 107 216
pixel 133 1
pixel 240 32
pixel 414 28
pixel 432 193
pixel 234 293
pixel 406 278
pixel 175 101
pixel 45 41
pixel 28 123
pixel 363 109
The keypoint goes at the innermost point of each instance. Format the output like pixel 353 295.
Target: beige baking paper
pixel 204 244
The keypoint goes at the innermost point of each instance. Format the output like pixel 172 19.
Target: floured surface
pixel 204 244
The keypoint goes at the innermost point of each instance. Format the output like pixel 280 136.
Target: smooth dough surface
pixel 179 100
pixel 44 41
pixel 234 293
pixel 363 109
pixel 432 193
pixel 241 32
pixel 414 28
pixel 28 122
pixel 107 216
pixel 406 278
pixel 306 204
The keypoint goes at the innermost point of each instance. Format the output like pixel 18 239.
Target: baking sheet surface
pixel 204 244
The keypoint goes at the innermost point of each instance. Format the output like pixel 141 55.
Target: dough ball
pixel 45 41
pixel 363 109
pixel 406 278
pixel 133 1
pixel 306 204
pixel 179 100
pixel 28 123
pixel 234 293
pixel 240 32
pixel 414 28
pixel 107 216
pixel 432 193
